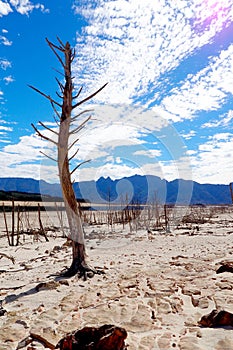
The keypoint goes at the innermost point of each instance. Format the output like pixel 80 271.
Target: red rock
pixel 217 319
pixel 106 337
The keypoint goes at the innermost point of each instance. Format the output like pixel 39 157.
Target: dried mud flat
pixel 157 287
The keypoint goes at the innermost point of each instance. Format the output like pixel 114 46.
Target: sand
pixel 157 286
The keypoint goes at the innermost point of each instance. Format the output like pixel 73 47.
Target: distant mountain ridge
pixel 137 189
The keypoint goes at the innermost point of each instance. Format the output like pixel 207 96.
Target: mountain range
pixel 134 189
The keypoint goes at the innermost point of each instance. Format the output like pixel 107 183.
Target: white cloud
pixel 9 79
pixel 5 41
pixel 188 135
pixel 4 63
pixel 24 158
pixel 6 128
pixel 151 153
pixel 205 91
pixel 223 121
pixel 5 8
pixel 131 44
pixel 100 140
pixel 213 162
pixel 24 7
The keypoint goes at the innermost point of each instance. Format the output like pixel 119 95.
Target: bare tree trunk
pixel 76 234
pixel 71 206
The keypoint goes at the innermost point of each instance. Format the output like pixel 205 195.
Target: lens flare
pixel 212 13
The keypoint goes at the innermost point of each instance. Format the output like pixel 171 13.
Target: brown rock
pixel 217 319
pixel 201 302
pixel 225 267
pixel 47 285
pixel 106 337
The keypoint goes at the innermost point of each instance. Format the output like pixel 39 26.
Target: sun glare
pixel 212 13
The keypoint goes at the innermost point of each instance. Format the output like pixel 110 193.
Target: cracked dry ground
pixel 156 290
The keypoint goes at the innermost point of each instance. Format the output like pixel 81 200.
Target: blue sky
pixel 167 109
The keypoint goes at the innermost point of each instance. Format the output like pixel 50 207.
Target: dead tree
pixel 65 119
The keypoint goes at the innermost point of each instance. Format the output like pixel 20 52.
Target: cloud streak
pixel 133 44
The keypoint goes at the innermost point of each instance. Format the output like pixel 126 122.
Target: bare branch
pixel 46 127
pixel 80 127
pixel 72 144
pixel 47 96
pixel 46 155
pixel 58 95
pixel 89 97
pixel 8 257
pixel 62 88
pixel 86 161
pixel 56 70
pixel 55 110
pixel 76 96
pixel 79 114
pixel 73 155
pixel 61 43
pixel 73 55
pixel 55 120
pixel 43 136
pixel 53 47
pixel 60 48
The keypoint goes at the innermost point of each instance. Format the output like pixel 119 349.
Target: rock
pixel 106 337
pixel 225 267
pixel 224 285
pixel 12 333
pixel 47 285
pixel 202 302
pixel 2 311
pixel 190 290
pixel 217 319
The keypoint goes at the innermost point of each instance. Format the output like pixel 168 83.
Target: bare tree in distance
pixel 65 121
